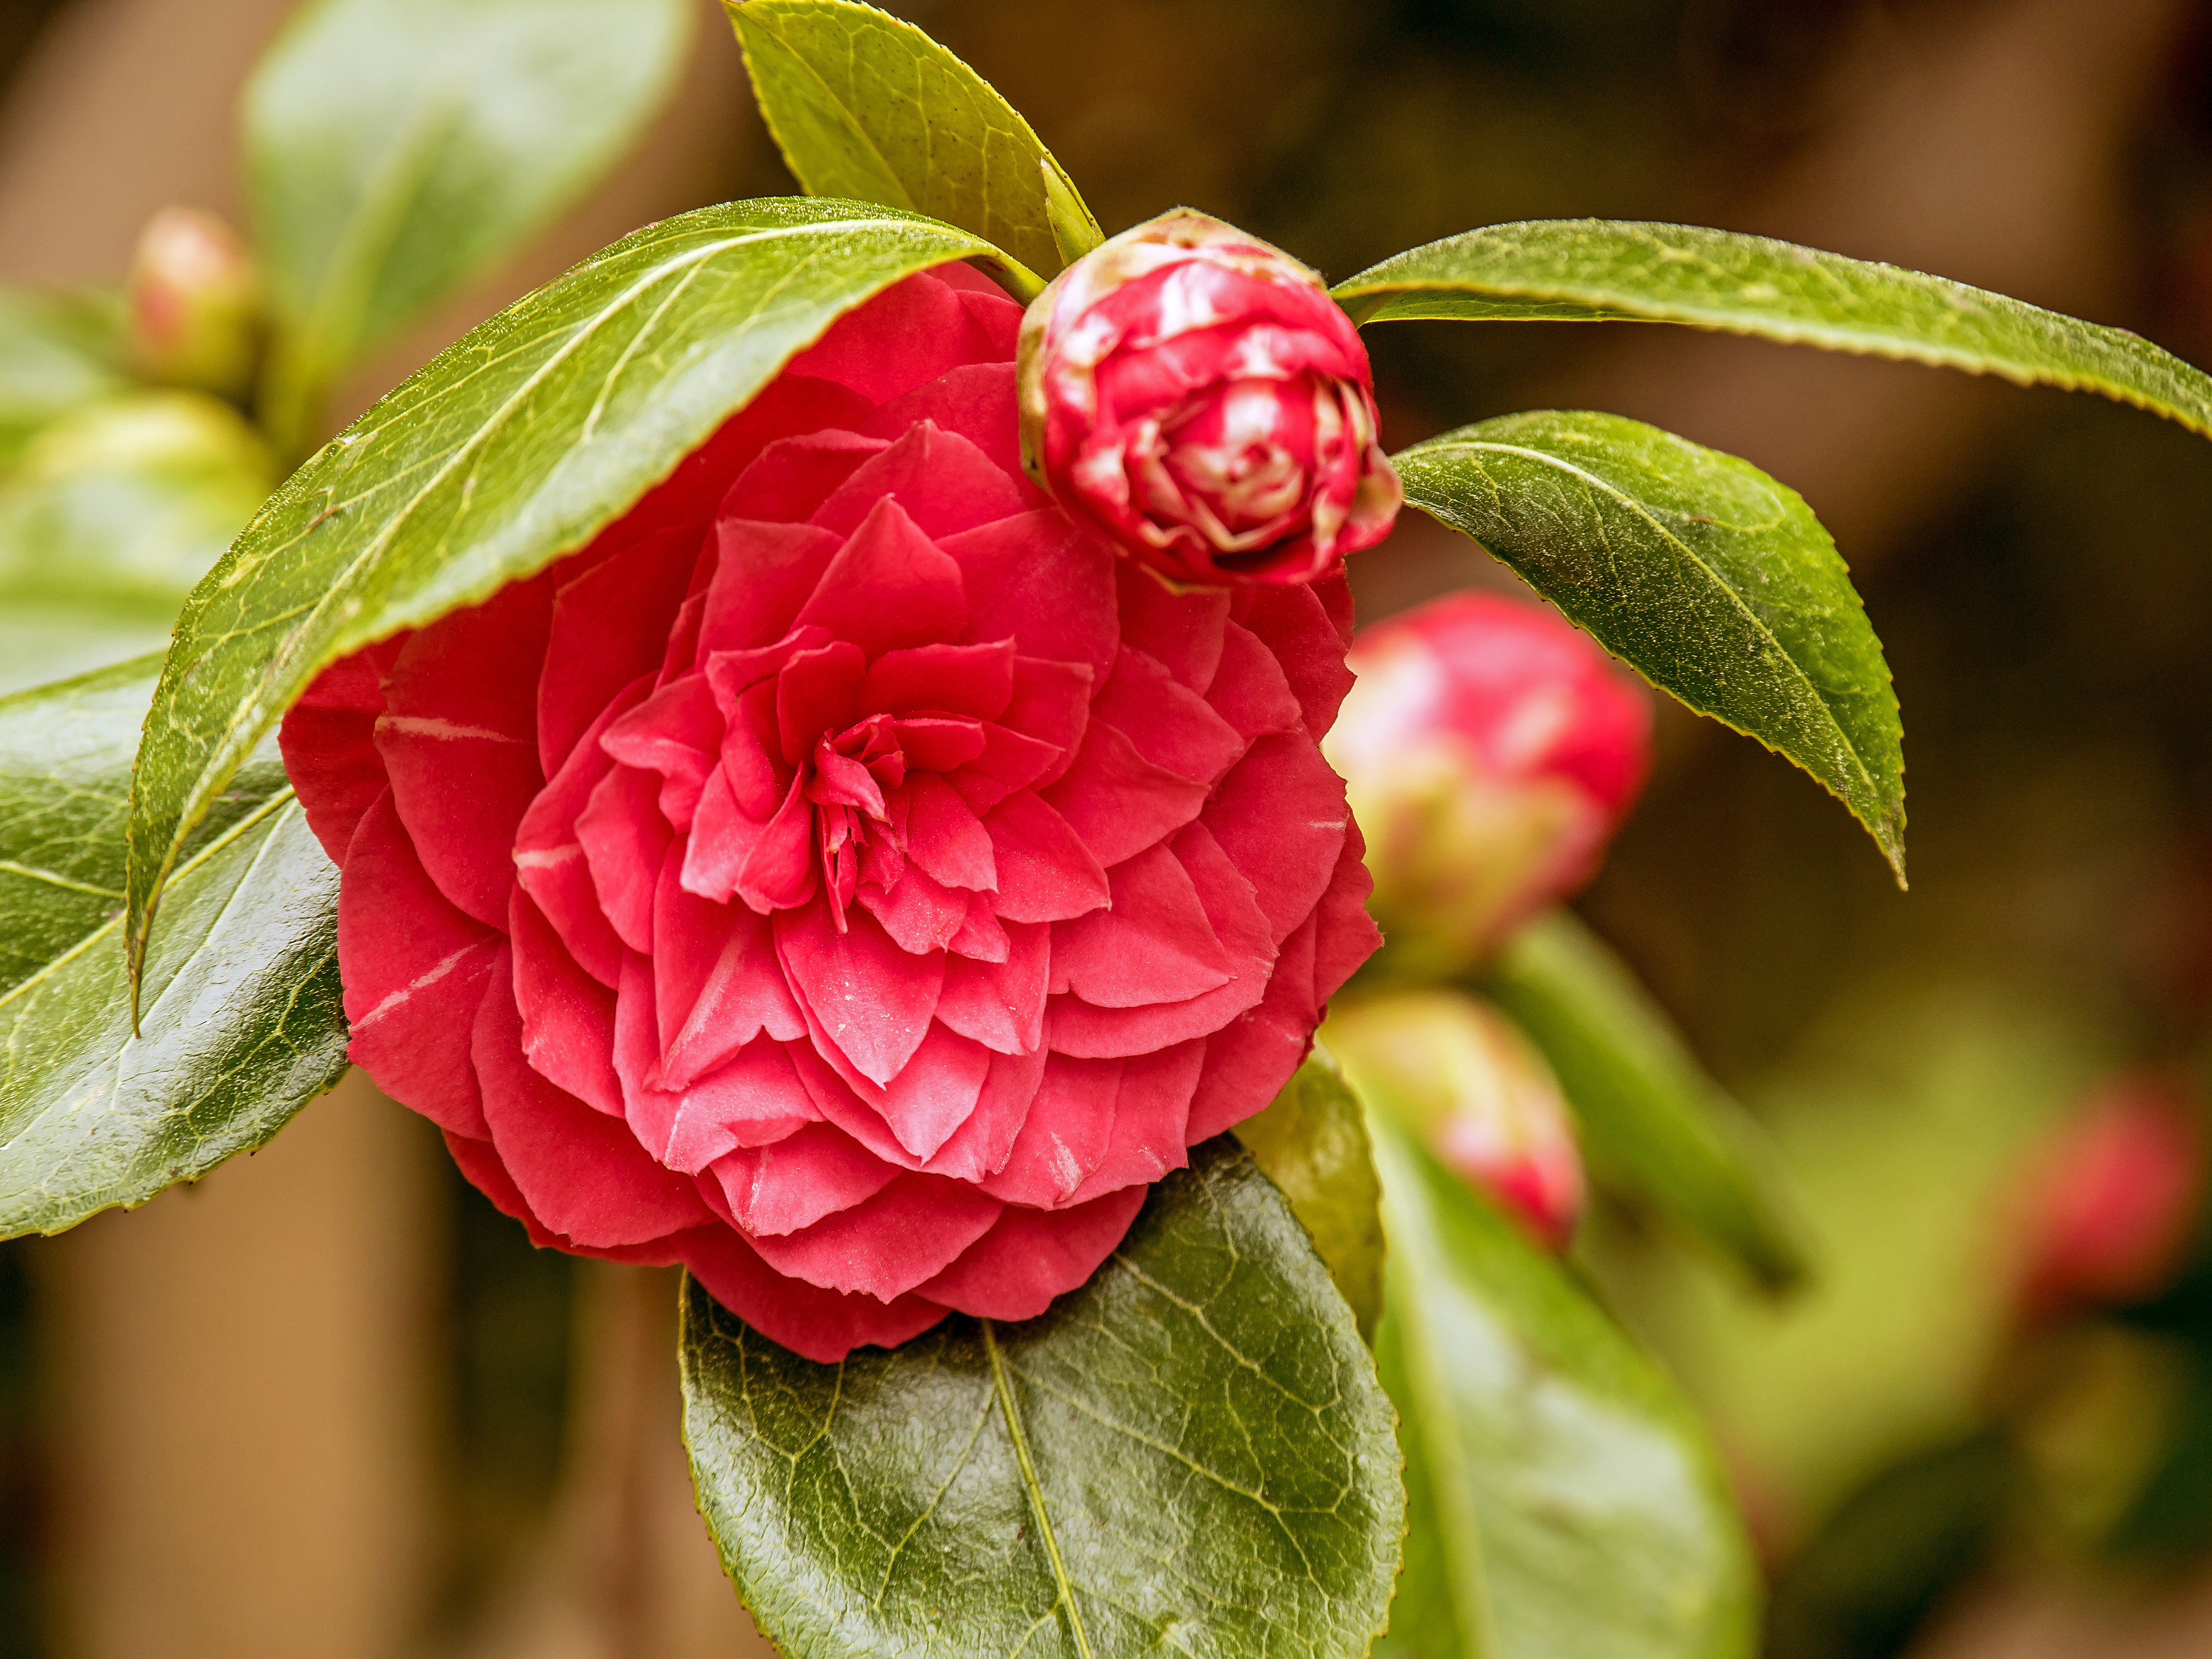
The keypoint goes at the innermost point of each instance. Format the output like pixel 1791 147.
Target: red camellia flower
pixel 1196 395
pixel 844 876
pixel 1491 750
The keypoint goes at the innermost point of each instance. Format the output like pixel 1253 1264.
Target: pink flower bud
pixel 2110 1199
pixel 195 304
pixel 1196 395
pixel 1453 1070
pixel 1491 751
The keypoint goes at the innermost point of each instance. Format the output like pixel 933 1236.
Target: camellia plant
pixel 803 745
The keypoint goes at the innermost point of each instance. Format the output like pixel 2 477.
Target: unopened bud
pixel 195 302
pixel 1453 1070
pixel 1490 749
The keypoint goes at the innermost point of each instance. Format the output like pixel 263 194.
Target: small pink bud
pixel 1197 396
pixel 1456 1071
pixel 2110 1198
pixel 1491 749
pixel 195 304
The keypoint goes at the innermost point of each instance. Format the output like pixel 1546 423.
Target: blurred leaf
pixel 513 447
pixel 113 513
pixel 1563 1500
pixel 865 105
pixel 398 148
pixel 55 355
pixel 242 1017
pixel 1701 572
pixel 1601 269
pixel 1311 1141
pixel 1189 1454
pixel 1652 1121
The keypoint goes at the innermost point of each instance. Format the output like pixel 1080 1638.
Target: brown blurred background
pixel 328 1402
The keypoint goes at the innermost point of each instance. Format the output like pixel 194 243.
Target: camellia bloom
pixel 1456 1071
pixel 1196 395
pixel 1491 750
pixel 844 876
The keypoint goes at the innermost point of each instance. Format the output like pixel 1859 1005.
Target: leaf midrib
pixel 1063 1588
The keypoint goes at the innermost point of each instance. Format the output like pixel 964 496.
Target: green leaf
pixel 55 355
pixel 865 105
pixel 1311 1141
pixel 397 148
pixel 242 1019
pixel 514 447
pixel 1601 269
pixel 1189 1454
pixel 1703 574
pixel 114 511
pixel 1562 1500
pixel 1652 1121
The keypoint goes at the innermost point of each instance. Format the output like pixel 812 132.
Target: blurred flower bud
pixel 2110 1199
pixel 1196 395
pixel 1491 749
pixel 194 297
pixel 1456 1071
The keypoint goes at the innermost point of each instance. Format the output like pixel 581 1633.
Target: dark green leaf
pixel 512 448
pixel 1652 1121
pixel 1563 1502
pixel 1189 1454
pixel 865 105
pixel 242 1018
pixel 55 355
pixel 113 513
pixel 1311 1141
pixel 1703 574
pixel 1600 270
pixel 398 148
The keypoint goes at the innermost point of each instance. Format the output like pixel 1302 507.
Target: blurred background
pixel 329 1401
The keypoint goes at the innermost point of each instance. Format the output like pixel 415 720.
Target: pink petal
pixel 717 984
pixel 944 483
pixel 610 625
pixel 836 1089
pixel 912 332
pixel 1007 761
pixel 981 1147
pixel 872 1000
pixel 940 743
pixel 1000 1005
pixel 1031 1256
pixel 1171 726
pixel 1065 1134
pixel 886 1245
pixel 1183 632
pixel 1152 1119
pixel 800 1179
pixel 975 400
pixel 1345 935
pixel 816 694
pixel 947 839
pixel 1044 583
pixel 1045 873
pixel 549 860
pixel 1292 622
pixel 675 734
pixel 1249 690
pixel 815 1324
pixel 1119 802
pixel 888 587
pixel 1152 943
pixel 568 1017
pixel 478 1160
pixel 329 743
pixel 933 1094
pixel 981 938
pixel 1250 1059
pixel 778 870
pixel 976 680
pixel 1281 816
pixel 582 1173
pixel 751 1100
pixel 920 915
pixel 411 960
pixel 1051 703
pixel 763 574
pixel 791 478
pixel 625 841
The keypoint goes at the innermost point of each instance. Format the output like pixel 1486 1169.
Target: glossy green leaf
pixel 397 148
pixel 865 105
pixel 1701 572
pixel 1652 1121
pixel 113 512
pixel 55 355
pixel 1189 1454
pixel 242 1020
pixel 1602 269
pixel 1563 1502
pixel 510 449
pixel 1311 1141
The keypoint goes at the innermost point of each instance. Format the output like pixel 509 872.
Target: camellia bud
pixel 1196 395
pixel 195 304
pixel 1491 749
pixel 2110 1199
pixel 1456 1071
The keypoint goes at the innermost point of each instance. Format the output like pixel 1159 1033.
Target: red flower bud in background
pixel 1456 1071
pixel 1195 394
pixel 1490 749
pixel 194 299
pixel 2110 1198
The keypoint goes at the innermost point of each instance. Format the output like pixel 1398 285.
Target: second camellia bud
pixel 195 304
pixel 1454 1071
pixel 1196 395
pixel 1491 749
